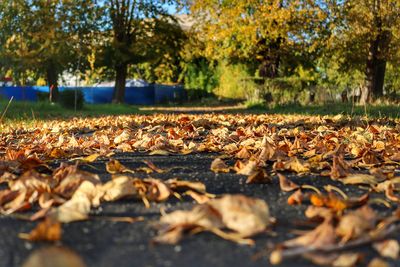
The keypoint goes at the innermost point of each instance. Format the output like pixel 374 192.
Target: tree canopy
pixel 45 37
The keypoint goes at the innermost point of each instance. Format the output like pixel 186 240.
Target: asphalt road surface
pixel 101 242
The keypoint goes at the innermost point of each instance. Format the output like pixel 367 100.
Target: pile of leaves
pixel 351 151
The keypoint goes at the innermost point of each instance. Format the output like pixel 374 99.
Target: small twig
pixel 5 110
pixel 120 219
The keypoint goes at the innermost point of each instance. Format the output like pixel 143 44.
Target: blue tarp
pixel 20 93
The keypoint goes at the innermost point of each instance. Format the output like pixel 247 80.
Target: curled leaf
pixel 114 166
pixel 242 215
pixel 285 184
pixel 359 178
pixel 218 165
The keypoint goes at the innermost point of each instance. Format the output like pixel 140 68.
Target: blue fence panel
pixel 94 95
pixel 101 95
pixel 167 93
pixel 25 93
pixel 148 95
pixel 140 95
pixel 42 89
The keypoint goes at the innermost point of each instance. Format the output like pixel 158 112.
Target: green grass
pixel 45 110
pixel 31 111
pixel 373 111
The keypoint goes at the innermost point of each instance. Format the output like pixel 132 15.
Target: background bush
pixel 235 82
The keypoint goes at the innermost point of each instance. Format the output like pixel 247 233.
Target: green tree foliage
pixel 256 31
pixel 365 37
pixel 46 37
pixel 286 38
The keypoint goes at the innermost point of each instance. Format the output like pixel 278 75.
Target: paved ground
pixel 104 243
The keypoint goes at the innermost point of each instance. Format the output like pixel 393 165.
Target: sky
pixel 171 9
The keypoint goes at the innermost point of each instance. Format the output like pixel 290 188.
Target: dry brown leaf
pixel 218 165
pixel 359 178
pixel 242 215
pixel 32 162
pixel 69 178
pixel 54 257
pixel 157 190
pixel 356 223
pixel 388 248
pixel 78 207
pixel 30 181
pixel 339 168
pixel 159 152
pixel 378 262
pixel 330 201
pixel 48 230
pixel 260 177
pixel 321 259
pixel 395 157
pixel 296 165
pixel 177 185
pixel 245 215
pixel 153 167
pixel 334 259
pixel 18 201
pixel 199 198
pixel 346 260
pixel 119 187
pixel 250 168
pixel 296 198
pixel 124 136
pixel 322 235
pixel 114 167
pixel 267 150
pixel 90 158
pixel 285 184
pixel 243 153
pixel 313 212
pixel 389 193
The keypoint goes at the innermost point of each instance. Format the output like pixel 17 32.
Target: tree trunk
pixel 375 69
pixel 271 59
pixel 269 67
pixel 52 81
pixel 121 71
